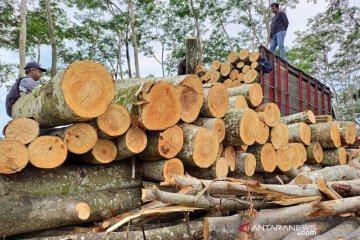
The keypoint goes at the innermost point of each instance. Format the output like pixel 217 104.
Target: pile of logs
pixel 212 160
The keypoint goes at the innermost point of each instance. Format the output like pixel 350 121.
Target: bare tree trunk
pixel 22 38
pixel 52 38
pixel 38 52
pixel 133 34
pixel 119 65
pixel 195 13
pixel 128 53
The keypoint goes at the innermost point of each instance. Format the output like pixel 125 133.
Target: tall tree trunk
pixel 52 38
pixel 133 34
pixel 127 52
pixel 38 52
pixel 195 13
pixel 22 38
pixel 119 65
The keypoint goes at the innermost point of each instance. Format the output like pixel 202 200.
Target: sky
pixel 297 22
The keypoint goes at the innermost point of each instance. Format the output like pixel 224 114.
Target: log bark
pixel 334 173
pixel 163 144
pixel 214 124
pixel 162 170
pixel 312 228
pixel 352 236
pixel 306 117
pixel 245 164
pixel 216 101
pixel 152 102
pixel 103 152
pixel 79 179
pixel 327 134
pixel 352 153
pixel 225 228
pixel 131 143
pixel 299 132
pixel 241 127
pixel 334 157
pixel 269 113
pixel 39 213
pixel 114 122
pixel 347 132
pixel 238 102
pixel 219 169
pixel 265 156
pixel 314 153
pixel 47 152
pixel 79 93
pixel 346 190
pixel 230 155
pixel 200 146
pixel 279 136
pixel 339 231
pixel 79 138
pixel 14 156
pixel 251 76
pixel 251 92
pixel 25 130
pixel 263 133
pixel 192 49
pixel 323 118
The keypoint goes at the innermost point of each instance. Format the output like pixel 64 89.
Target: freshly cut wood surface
pixel 302 152
pixel 47 152
pixel 216 125
pixel 241 127
pixel 216 101
pixel 191 98
pixel 114 121
pixel 234 74
pixel 219 169
pixel 200 146
pixel 238 102
pixel 251 92
pixel 162 170
pixel 233 57
pixel 240 77
pixel 347 132
pixel 299 132
pixel 266 156
pixel 244 55
pixel 163 144
pixel 256 66
pixel 132 142
pixel 245 69
pixel 263 133
pixel 254 56
pixel 240 65
pixel 306 116
pixel 228 83
pixel 279 136
pixel 327 134
pixel 14 156
pixel 220 150
pixel 251 76
pixel 104 151
pixel 81 92
pixel 230 155
pixel 79 138
pixel 287 157
pixel 225 69
pixel 22 129
pixel 269 113
pixel 332 157
pixel 245 164
pixel 215 77
pixel 215 65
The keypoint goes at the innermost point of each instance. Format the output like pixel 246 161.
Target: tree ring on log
pixel 335 134
pixel 205 148
pixel 172 167
pixel 83 211
pixel 250 165
pixel 104 151
pixel 80 138
pixel 22 129
pixel 114 121
pixel 249 126
pixel 268 158
pixel 255 94
pixel 218 100
pixel 170 142
pixel 135 139
pixel 14 156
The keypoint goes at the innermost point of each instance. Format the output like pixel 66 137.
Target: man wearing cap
pixel 279 25
pixel 25 85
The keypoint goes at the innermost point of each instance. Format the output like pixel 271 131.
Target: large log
pixel 312 228
pixel 79 93
pixel 244 55
pixel 113 122
pixel 251 76
pixel 245 164
pixel 163 144
pixel 339 231
pixel 103 152
pixel 263 133
pixel 225 228
pixel 152 102
pixel 219 169
pixel 238 102
pixel 314 153
pixel 47 152
pixel 69 179
pixel 347 132
pixel 279 136
pixel 251 92
pixel 229 154
pixel 131 143
pixel 299 132
pixel 162 170
pixel 241 127
pixel 79 138
pixel 200 146
pixel 216 101
pixel 14 156
pixel 39 213
pixel 334 173
pixel 265 156
pixel 302 152
pixel 226 68
pixel 216 125
pixel 334 157
pixel 306 117
pixel 22 129
pixel 269 113
pixel 233 58
pixel 327 134
pixel 287 157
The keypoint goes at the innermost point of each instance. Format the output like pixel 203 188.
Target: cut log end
pixel 256 95
pixel 263 133
pixel 249 127
pixel 240 102
pixel 335 135
pixel 215 65
pixel 268 157
pixel 305 133
pixel 104 151
pixel 135 139
pixel 191 98
pixel 311 116
pixel 162 108
pixel 225 68
pixel 342 156
pixel 47 152
pixel 270 114
pixel 221 168
pixel 218 100
pixel 83 211
pixel 170 142
pixel 317 152
pixel 24 130
pixel 287 157
pixel 219 129
pixel 251 76
pixel 230 156
pixel 279 135
pixel 80 138
pixel 205 148
pixel 14 156
pixel 254 56
pixel 172 167
pixel 88 88
pixel 250 164
pixel 301 179
pixel 114 121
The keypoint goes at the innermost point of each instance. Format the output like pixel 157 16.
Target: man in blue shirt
pixel 279 25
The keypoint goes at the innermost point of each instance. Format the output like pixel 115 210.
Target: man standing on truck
pixel 279 25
